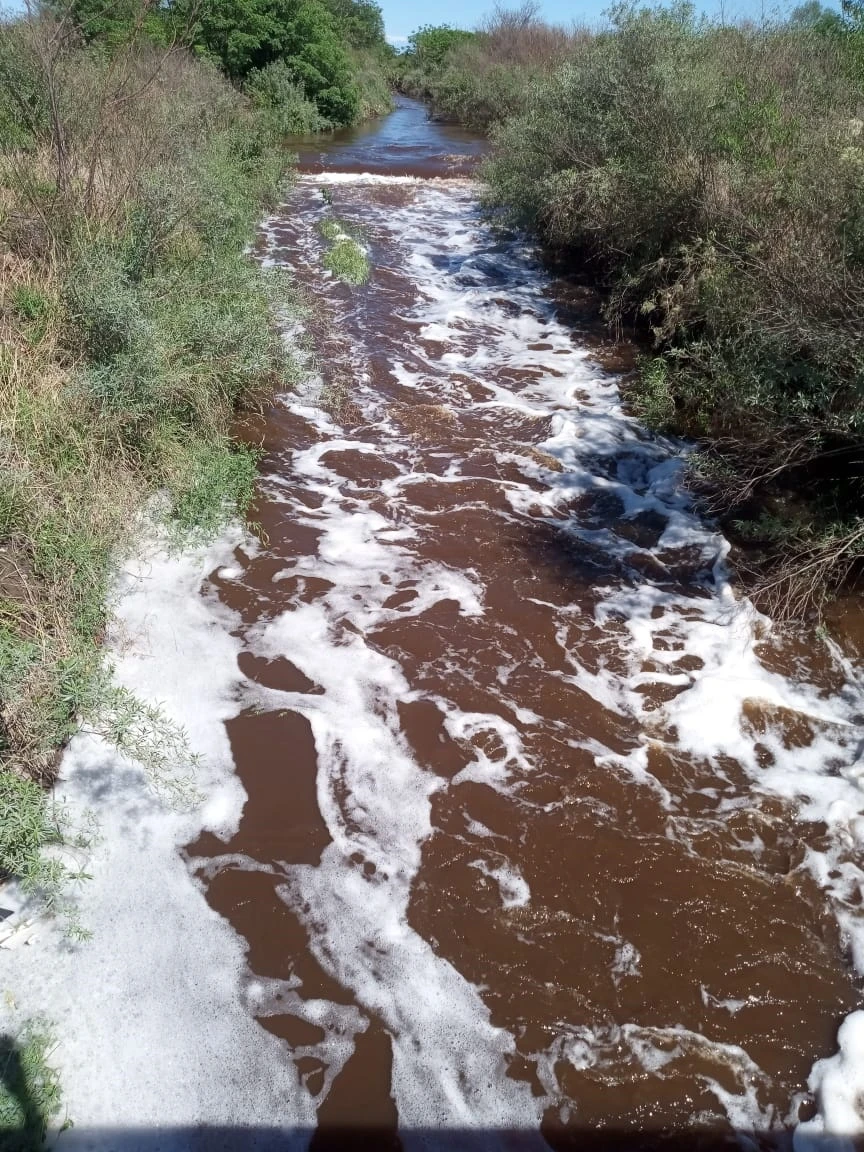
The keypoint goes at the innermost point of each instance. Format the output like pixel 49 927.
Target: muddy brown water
pixel 489 890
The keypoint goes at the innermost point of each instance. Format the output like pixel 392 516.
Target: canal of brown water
pixel 550 839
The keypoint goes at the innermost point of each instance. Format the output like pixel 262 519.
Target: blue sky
pixel 403 16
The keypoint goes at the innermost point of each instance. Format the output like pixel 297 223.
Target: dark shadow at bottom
pixel 239 1139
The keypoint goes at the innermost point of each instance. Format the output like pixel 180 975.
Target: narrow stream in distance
pixel 548 837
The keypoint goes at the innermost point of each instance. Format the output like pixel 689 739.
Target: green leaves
pixel 248 36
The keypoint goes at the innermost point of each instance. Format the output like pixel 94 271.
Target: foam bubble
pixel 148 1035
pixel 838 1084
pixel 483 338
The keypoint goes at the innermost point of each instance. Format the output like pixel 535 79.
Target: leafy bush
pixel 345 257
pixel 275 89
pixel 374 79
pixel 102 304
pixel 359 22
pixel 429 46
pixel 248 35
pixel 713 178
pixel 29 1089
pixel 219 477
pixel 23 105
pixel 480 78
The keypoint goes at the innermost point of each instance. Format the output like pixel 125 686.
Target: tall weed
pixel 712 177
pixel 133 326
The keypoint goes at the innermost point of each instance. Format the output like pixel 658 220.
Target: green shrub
pixel 102 304
pixel 713 178
pixel 429 46
pixel 218 478
pixel 23 99
pixel 29 1089
pixel 654 400
pixel 25 829
pixel 345 257
pixel 347 261
pixel 30 302
pixel 360 22
pixel 249 35
pixel 483 77
pixel 372 70
pixel 34 309
pixel 275 89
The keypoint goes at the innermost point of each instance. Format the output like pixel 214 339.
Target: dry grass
pixel 520 38
pixel 131 327
pixel 425 420
pixel 66 505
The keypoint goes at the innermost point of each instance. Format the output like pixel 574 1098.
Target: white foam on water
pixel 486 309
pixel 619 1053
pixel 494 741
pixel 838 1084
pixel 374 799
pixel 152 1028
pixel 512 887
pixel 381 179
pixel 627 961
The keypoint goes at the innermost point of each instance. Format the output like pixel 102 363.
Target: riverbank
pixel 479 714
pixel 709 178
pixel 133 327
pixel 153 1014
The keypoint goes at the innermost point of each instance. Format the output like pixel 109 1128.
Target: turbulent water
pixel 549 839
pixel 537 808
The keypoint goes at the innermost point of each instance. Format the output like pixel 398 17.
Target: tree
pixel 813 15
pixel 251 34
pixel 359 21
pixel 113 24
pixel 430 44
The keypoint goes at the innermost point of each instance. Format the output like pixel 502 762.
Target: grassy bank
pixel 133 326
pixel 712 179
pixel 139 145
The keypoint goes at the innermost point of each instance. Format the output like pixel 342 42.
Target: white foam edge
pixel 151 1026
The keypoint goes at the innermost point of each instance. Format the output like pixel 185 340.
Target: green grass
pixel 331 229
pixel 26 829
pixel 29 1089
pixel 220 479
pixel 345 257
pixel 131 334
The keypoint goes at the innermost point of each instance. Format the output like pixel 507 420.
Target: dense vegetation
pixel 318 64
pixel 712 177
pixel 132 173
pixel 139 144
pixel 132 326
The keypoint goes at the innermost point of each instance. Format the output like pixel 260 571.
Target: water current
pixel 546 830
pixel 549 838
